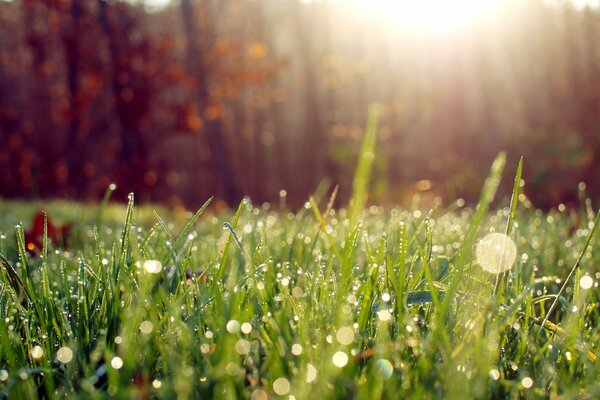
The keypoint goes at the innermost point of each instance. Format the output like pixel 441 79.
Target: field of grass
pixel 319 303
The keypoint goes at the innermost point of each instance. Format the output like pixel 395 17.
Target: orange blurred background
pixel 179 100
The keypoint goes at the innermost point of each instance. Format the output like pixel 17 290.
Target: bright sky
pixel 421 15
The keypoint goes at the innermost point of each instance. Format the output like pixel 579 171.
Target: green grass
pixel 320 303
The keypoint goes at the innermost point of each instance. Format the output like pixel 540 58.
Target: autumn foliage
pixel 233 98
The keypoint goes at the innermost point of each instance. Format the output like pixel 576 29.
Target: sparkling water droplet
pixel 383 369
pixel 345 335
pixel 586 282
pixel 311 373
pixel 527 382
pixel 496 253
pixel 494 374
pixel 146 327
pixel 340 359
pixel 116 362
pixel 281 386
pixel 37 352
pixel 64 355
pixel 233 326
pixel 246 328
pixel 153 266
pixel 296 349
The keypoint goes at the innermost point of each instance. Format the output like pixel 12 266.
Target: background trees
pixel 234 97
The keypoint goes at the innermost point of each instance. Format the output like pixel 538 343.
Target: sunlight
pixel 431 15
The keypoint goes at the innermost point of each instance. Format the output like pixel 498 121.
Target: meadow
pixel 357 302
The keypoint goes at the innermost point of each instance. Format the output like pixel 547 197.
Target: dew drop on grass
pixel 586 282
pixel 64 355
pixel 3 375
pixel 233 326
pixel 311 373
pixel 156 384
pixel 152 266
pixel 496 253
pixel 116 362
pixel 281 386
pixel 527 382
pixel 345 335
pixel 383 369
pixel 494 374
pixel 340 359
pixel 259 394
pixel 246 328
pixel 146 327
pixel 384 315
pixel 37 352
pixel 242 347
pixel 296 349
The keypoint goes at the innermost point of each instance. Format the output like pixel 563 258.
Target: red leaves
pixel 34 237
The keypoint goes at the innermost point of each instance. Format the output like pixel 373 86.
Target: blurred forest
pixel 240 97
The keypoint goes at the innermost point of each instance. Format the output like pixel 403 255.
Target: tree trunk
pixel 212 124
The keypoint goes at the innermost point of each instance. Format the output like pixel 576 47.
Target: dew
pixel 37 352
pixel 232 369
pixel 208 334
pixel 383 369
pixel 152 266
pixel 281 386
pixel 285 282
pixel 116 362
pixel 385 297
pixel 345 335
pixel 586 282
pixel 233 326
pixel 146 327
pixel 242 347
pixel 64 355
pixel 527 382
pixel 340 359
pixel 494 374
pixel 296 349
pixel 205 348
pixel 297 292
pixel 384 315
pixel 118 340
pixel 311 373
pixel 496 253
pixel 156 384
pixel 259 394
pixel 3 375
pixel 246 328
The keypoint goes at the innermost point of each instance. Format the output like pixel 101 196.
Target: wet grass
pixel 301 304
pixel 317 303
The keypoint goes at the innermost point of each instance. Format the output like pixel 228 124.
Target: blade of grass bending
pixel 181 238
pixel 364 166
pixel 575 267
pixel 487 196
pixel 322 223
pixel 514 199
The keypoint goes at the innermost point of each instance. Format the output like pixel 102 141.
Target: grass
pixel 319 303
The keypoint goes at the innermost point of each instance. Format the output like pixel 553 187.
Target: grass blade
pixel 362 173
